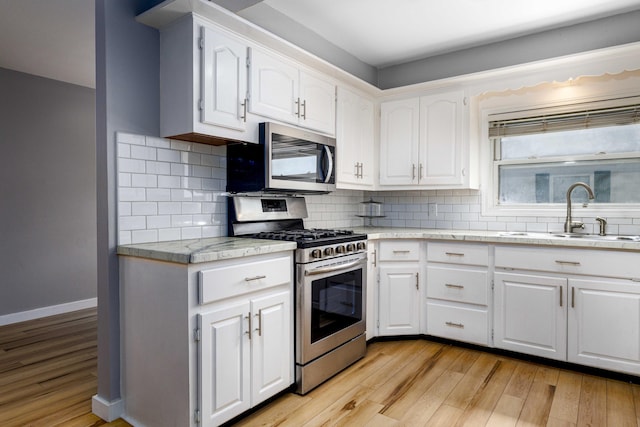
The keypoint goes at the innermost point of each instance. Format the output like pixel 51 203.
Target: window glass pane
pixel 612 181
pixel 612 139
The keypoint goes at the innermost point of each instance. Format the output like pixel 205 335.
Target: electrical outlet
pixel 433 210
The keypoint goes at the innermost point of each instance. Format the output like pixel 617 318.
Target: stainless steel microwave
pixel 287 159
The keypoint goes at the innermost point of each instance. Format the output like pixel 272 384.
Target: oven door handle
pixel 333 269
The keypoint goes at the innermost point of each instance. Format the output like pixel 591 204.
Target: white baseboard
pixel 108 411
pixel 52 310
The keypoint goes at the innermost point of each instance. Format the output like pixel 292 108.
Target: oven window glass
pixel 299 160
pixel 336 303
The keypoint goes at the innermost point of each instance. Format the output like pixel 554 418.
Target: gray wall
pixel 47 192
pixel 127 99
pixel 601 33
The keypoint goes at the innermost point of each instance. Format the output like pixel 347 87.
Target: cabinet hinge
pixel 196 416
pixel 197 335
pixel 200 43
pixel 200 104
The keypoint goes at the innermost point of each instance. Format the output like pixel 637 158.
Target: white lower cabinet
pixel 604 324
pixel 399 300
pixel 399 287
pixel 202 343
pixel 531 314
pixel 241 355
pixel 547 305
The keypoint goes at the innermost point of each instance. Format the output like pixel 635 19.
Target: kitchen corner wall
pixel 175 190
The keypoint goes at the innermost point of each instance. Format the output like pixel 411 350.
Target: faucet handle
pixel 603 224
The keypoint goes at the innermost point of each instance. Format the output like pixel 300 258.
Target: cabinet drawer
pixel 399 250
pixel 225 282
pixel 458 253
pixel 456 284
pixel 569 261
pixel 457 323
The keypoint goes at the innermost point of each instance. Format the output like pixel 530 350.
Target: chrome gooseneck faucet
pixel 569 224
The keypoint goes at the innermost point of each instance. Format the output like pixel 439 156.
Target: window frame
pixel 524 106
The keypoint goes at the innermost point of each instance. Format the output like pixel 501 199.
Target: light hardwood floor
pixel 48 376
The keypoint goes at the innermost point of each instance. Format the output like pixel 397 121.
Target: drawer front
pixel 458 253
pixel 399 250
pixel 457 323
pixel 457 284
pixel 229 281
pixel 569 261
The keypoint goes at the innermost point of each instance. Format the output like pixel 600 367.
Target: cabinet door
pixel 273 87
pixel 399 300
pixel 530 314
pixel 355 140
pixel 317 103
pixel 441 138
pixel 399 131
pixel 224 80
pixel 604 324
pixel 271 345
pixel 224 363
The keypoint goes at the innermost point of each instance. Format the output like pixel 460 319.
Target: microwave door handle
pixel 327 152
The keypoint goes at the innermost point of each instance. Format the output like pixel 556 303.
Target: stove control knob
pixel 341 249
pixel 328 251
pixel 316 253
pixel 362 246
pixel 351 247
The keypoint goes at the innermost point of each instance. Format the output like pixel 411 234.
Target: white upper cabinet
pixel 281 91
pixel 205 101
pixel 223 80
pixel 423 142
pixel 355 140
pixel 399 143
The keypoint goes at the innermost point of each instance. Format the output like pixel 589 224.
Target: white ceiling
pixel 55 38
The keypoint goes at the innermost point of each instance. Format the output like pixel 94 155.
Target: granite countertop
pixel 218 248
pixel 204 250
pixel 532 238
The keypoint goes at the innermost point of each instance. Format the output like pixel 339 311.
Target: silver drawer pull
pixel 567 262
pixel 251 279
pixel 451 285
pixel 453 254
pixel 454 325
pixel 401 251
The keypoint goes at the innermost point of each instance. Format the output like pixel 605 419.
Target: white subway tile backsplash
pixel 169 208
pixel 144 236
pixel 191 233
pixel 132 222
pixel 158 168
pixel 124 150
pixel 131 165
pixel 144 153
pixel 144 208
pixel 130 138
pixel 167 234
pixel 180 145
pixel 131 194
pixel 168 181
pixel 158 221
pixel 171 156
pixel 158 194
pixel 144 180
pixel 181 220
pixel 180 195
pixel 124 179
pixel 152 141
pixel 191 208
pixel 124 208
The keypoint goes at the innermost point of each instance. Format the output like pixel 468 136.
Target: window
pixel 538 155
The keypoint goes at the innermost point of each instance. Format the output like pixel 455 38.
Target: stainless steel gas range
pixel 330 275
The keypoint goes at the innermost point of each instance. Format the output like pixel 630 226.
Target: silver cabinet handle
pixel 251 279
pixel 413 174
pixel 400 251
pixel 332 269
pixel 451 285
pixel 560 297
pixel 453 254
pixel 259 328
pixel 297 107
pixel 375 258
pixel 420 172
pixel 244 111
pixel 417 281
pixel 454 325
pixel 573 297
pixel 248 317
pixel 304 109
pixel 576 263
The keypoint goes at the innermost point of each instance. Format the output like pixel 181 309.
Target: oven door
pixel 330 305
